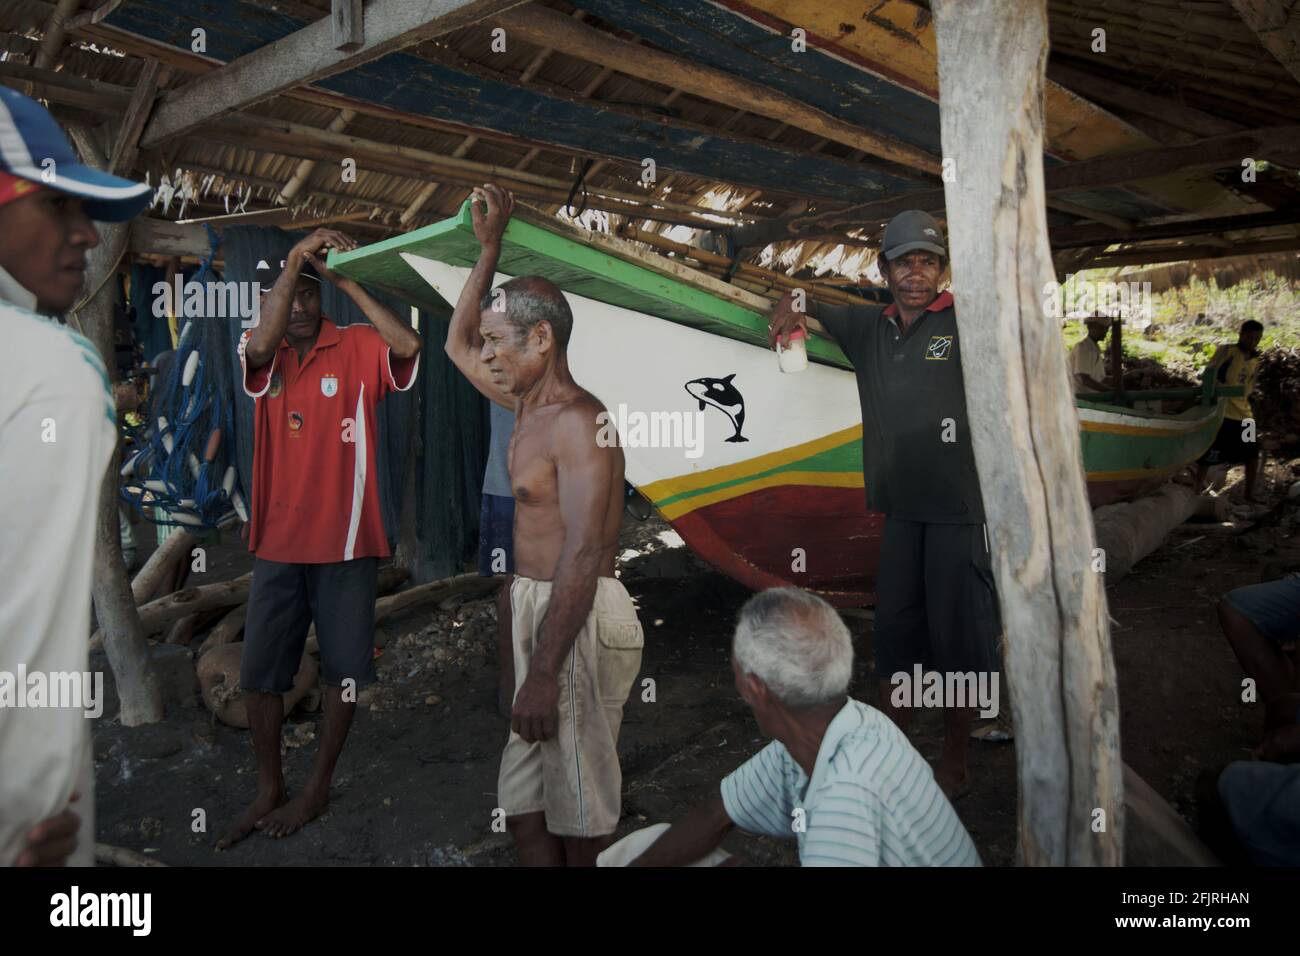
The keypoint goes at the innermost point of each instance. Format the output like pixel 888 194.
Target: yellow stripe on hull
pixel 823 479
pixel 682 484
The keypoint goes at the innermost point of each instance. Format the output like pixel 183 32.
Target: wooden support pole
pixel 138 689
pixel 127 147
pixel 349 24
pixel 1025 432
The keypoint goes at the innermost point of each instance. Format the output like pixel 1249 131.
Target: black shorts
pixel 282 604
pixel 936 603
pixel 496 536
pixel 1230 447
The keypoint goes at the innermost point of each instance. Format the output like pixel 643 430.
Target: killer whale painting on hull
pixel 721 394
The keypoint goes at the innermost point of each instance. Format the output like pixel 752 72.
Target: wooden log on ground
pixel 218 674
pixel 227 630
pixel 1025 433
pixel 106 855
pixel 1129 531
pixel 176 548
pixel 472 583
pixel 181 631
pixel 155 615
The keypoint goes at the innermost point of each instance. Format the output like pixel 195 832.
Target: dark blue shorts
pixel 936 601
pixel 1229 446
pixel 283 602
pixel 496 536
pixel 1274 607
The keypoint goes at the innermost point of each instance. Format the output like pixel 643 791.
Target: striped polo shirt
pixel 872 800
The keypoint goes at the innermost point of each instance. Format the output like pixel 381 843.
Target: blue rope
pixel 192 412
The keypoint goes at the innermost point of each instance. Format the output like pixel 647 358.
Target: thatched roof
pixel 1173 72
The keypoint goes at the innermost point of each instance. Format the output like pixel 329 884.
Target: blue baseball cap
pixel 30 138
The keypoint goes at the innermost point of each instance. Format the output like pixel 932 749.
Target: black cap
pixel 267 271
pixel 912 230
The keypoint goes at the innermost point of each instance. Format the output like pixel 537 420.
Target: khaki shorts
pixel 574 777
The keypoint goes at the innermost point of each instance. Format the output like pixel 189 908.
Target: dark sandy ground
pixel 416 782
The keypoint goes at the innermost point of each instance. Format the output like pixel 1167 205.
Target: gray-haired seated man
pixel 839 776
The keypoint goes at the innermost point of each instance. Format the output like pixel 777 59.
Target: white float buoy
pixel 191 366
pixel 165 431
pixel 158 486
pixel 228 481
pixel 194 465
pixel 128 470
pixel 237 500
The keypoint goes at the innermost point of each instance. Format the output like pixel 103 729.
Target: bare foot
pixel 262 804
pixel 299 811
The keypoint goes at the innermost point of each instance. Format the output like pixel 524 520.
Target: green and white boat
pixel 760 472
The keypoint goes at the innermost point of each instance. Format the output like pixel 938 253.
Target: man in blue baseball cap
pixel 57 434
pixel 48 199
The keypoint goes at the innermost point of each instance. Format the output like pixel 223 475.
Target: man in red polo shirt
pixel 316 527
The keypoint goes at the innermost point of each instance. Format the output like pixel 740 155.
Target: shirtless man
pixel 577 641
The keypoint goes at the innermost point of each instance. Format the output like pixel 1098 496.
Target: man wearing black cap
pixel 317 530
pixel 936 605
pixel 57 433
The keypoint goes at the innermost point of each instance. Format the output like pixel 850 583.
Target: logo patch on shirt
pixel 276 384
pixel 295 422
pixel 329 385
pixel 939 348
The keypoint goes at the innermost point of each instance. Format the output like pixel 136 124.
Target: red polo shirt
pixel 315 482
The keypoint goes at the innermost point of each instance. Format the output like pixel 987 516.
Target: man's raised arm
pixel 584 473
pixel 403 341
pixel 278 303
pixel 464 343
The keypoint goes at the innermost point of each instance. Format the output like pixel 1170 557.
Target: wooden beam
pixel 62 87
pixel 1109 92
pixel 548 28
pixel 1188 253
pixel 349 24
pixel 1025 434
pixel 1229 148
pixel 89 17
pixel 1087 235
pixel 127 146
pixel 306 56
pixel 1085 174
pixel 1277 25
pixel 263 132
pixel 55 30
pixel 164 238
pixel 305 167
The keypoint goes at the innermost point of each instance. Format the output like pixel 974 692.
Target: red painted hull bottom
pixel 752 538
